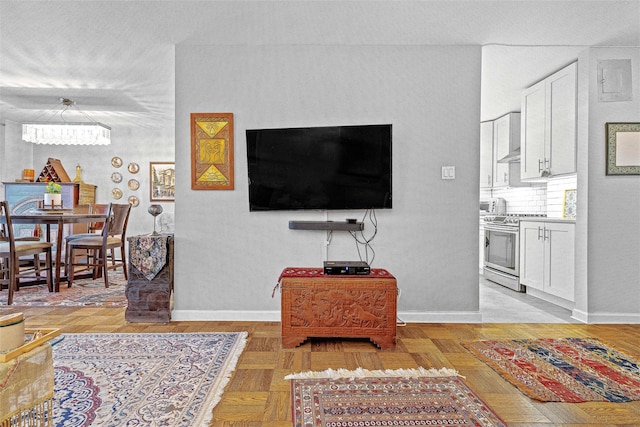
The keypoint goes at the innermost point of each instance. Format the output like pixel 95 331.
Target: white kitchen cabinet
pixel 547 257
pixel 486 154
pixel 498 138
pixel 506 139
pixel 549 116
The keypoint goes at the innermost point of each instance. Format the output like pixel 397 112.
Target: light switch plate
pixel 448 172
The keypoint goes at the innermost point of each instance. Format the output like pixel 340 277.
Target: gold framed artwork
pixel 212 151
pixel 623 148
pixel 569 207
pixel 162 176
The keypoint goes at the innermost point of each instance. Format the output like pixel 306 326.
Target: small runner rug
pixel 153 379
pixel 563 370
pixel 404 397
pixel 83 293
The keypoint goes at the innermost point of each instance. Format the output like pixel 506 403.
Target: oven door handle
pixel 504 229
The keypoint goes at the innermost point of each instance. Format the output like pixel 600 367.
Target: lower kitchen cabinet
pixel 547 257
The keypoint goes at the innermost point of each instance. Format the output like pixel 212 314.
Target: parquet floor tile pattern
pixel 258 395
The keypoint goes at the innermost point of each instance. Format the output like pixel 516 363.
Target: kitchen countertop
pixel 547 219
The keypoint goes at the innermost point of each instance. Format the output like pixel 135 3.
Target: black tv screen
pixel 332 168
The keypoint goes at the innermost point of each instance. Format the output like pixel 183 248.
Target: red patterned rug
pixel 406 397
pixel 563 370
pixel 83 293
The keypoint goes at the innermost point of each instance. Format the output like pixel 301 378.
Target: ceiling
pixel 116 58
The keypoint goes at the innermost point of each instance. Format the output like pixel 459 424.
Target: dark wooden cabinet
pixel 149 298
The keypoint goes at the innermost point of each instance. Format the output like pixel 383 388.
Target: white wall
pixel 608 225
pixel 228 259
pixel 15 156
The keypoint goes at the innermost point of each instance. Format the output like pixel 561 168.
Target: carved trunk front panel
pixel 338 306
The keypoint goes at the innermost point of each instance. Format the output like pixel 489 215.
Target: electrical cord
pixel 366 242
pixel 399 321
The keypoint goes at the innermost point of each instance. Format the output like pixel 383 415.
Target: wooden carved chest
pixel 339 306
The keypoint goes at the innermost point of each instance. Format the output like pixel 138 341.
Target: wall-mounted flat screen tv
pixel 326 168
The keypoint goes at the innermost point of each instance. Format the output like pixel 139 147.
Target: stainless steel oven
pixel 502 252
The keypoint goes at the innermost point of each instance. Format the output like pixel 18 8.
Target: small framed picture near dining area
pixel 623 148
pixel 162 181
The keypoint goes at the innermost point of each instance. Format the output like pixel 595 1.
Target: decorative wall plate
pixel 116 162
pixel 133 201
pixel 116 193
pixel 133 184
pixel 133 167
pixel 116 177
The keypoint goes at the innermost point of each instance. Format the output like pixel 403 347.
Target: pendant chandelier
pixel 67 133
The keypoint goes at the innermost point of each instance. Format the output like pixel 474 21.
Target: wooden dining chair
pixel 93 229
pixel 11 250
pixel 33 260
pixel 104 245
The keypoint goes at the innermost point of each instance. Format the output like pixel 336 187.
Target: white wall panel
pixel 229 259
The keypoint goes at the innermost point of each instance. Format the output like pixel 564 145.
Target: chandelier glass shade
pixel 67 133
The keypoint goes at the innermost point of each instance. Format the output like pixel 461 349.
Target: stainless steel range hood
pixel 512 157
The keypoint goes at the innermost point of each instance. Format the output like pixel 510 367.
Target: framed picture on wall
pixel 623 148
pixel 162 179
pixel 212 151
pixel 569 206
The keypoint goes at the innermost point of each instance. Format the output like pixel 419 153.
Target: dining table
pixel 58 218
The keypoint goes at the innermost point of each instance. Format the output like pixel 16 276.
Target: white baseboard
pixel 406 316
pixel 274 316
pixel 441 317
pixel 606 318
pixel 226 315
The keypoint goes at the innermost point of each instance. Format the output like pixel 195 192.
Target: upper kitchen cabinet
pixel 549 126
pixel 486 154
pixel 506 145
pixel 499 141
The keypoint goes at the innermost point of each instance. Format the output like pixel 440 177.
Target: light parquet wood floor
pixel 257 394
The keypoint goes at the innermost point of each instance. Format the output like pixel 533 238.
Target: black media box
pixel 346 268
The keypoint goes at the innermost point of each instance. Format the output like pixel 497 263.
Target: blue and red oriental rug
pixel 153 379
pixel 83 293
pixel 563 370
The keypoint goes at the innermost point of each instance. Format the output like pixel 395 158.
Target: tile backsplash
pixel 537 199
pixel 521 200
pixel 555 194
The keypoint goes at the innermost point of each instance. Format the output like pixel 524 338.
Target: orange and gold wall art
pixel 212 151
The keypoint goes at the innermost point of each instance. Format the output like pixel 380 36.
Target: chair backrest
pixel 7 226
pixel 97 208
pixel 117 219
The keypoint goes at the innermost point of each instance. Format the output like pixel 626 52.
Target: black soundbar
pixel 326 225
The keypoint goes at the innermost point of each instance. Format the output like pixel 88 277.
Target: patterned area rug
pixel 83 293
pixel 563 370
pixel 142 379
pixel 406 397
